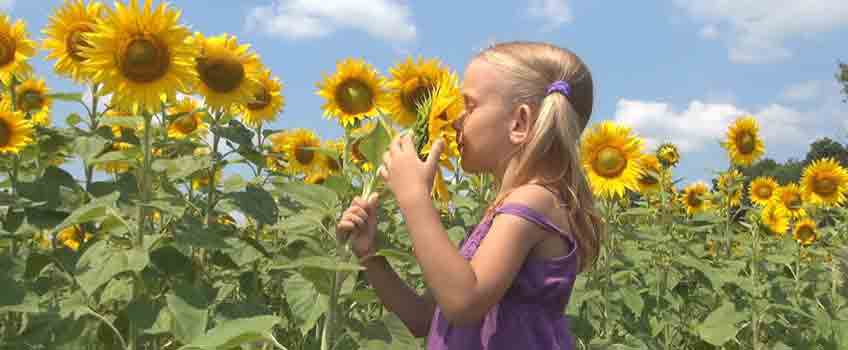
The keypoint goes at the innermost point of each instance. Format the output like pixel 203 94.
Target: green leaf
pixel 89 147
pixel 101 262
pixel 13 294
pixel 233 333
pixel 73 119
pixel 720 326
pixel 129 122
pixel 633 300
pixel 182 167
pixel 307 305
pixel 189 322
pixel 70 97
pixel 234 183
pixel 388 333
pixel 319 262
pixel 256 203
pixel 93 211
pixel 309 195
pixel 374 144
pixel 235 132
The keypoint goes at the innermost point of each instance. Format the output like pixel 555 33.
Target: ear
pixel 521 124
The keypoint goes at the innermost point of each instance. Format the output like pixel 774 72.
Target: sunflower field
pixel 128 227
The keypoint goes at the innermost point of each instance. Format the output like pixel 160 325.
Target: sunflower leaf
pixel 235 132
pixel 70 97
pixel 374 144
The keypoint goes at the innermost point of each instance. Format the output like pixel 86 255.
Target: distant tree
pixel 783 173
pixel 824 148
pixel 842 78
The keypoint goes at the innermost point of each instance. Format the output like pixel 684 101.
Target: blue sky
pixel 676 70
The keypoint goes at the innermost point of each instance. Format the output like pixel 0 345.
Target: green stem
pixel 210 198
pixel 329 330
pixel 755 321
pixel 142 223
pixel 798 276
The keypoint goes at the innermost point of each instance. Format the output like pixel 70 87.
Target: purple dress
pixel 531 315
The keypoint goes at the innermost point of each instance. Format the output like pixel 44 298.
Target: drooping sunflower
pixel 73 236
pixel 825 182
pixel 187 119
pixel 668 155
pixel 696 197
pixel 730 184
pixel 805 231
pixel 775 217
pixel 140 55
pixel 15 132
pixel 610 156
pixel 298 147
pixel 334 162
pixel 227 71
pixel 410 83
pixel 792 199
pixel 763 190
pixel 649 181
pixel 65 36
pixel 316 178
pixel 32 97
pixel 743 142
pixel 353 92
pixel 266 103
pixel 15 49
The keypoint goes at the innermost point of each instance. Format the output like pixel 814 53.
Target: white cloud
pixel 555 13
pixel 758 29
pixel 389 20
pixel 709 32
pixel 7 5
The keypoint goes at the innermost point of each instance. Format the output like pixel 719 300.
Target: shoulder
pixel 534 197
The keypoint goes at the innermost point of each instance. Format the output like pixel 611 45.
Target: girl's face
pixel 483 129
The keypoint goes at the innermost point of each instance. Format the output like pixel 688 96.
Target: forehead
pixel 481 79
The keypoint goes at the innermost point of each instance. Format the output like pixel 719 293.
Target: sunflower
pixel 227 71
pixel 118 131
pixel 730 184
pixel 610 157
pixel 743 142
pixel 649 181
pixel 140 55
pixel 444 106
pixel 73 236
pixel 696 197
pixel 297 147
pixel 411 82
pixel 316 178
pixel 116 166
pixel 201 182
pixel 15 49
pixel 334 162
pixel 775 217
pixel 805 231
pixel 266 103
pixel 762 190
pixel 792 199
pixel 825 182
pixel 15 132
pixel 32 97
pixel 186 119
pixel 65 36
pixel 353 92
pixel 668 155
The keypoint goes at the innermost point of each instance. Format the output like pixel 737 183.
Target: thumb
pixel 371 208
pixel 435 153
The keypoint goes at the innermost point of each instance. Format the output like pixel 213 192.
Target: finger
pixel 384 173
pixel 358 221
pixel 435 153
pixel 357 202
pixel 372 205
pixel 361 213
pixel 395 146
pixel 406 142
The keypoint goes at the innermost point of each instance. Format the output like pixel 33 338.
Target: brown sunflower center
pixel 354 97
pixel 610 162
pixel 221 74
pixel 317 179
pixel 261 99
pixel 694 199
pixel 74 42
pixel 304 155
pixel 793 201
pixel 7 49
pixel 144 59
pixel 5 133
pixel 30 100
pixel 824 186
pixel 649 179
pixel 806 233
pixel 415 92
pixel 746 142
pixel 186 124
pixel 333 164
pixel 763 192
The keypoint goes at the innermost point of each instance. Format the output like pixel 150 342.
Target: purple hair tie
pixel 560 86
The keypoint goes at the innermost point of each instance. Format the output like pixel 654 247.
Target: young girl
pixel 508 285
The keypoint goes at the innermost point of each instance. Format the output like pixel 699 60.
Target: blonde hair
pixel 530 68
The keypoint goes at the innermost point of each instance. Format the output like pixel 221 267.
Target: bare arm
pixel 415 311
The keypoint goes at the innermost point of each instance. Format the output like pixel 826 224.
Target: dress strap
pixel 533 216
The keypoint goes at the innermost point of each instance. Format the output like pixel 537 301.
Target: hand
pixel 407 176
pixel 359 225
